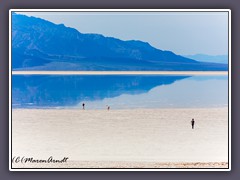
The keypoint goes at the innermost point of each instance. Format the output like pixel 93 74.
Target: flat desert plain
pixel 132 138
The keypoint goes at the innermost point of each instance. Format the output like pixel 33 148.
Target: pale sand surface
pixel 122 72
pixel 120 164
pixel 122 138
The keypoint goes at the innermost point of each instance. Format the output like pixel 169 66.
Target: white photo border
pixel 139 72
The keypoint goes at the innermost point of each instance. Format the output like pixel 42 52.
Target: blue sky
pixel 184 33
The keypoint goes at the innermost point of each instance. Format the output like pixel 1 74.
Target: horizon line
pixel 119 72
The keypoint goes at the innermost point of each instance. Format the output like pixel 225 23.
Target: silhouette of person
pixel 108 108
pixel 83 106
pixel 192 122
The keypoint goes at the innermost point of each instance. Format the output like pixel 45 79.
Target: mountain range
pixel 38 44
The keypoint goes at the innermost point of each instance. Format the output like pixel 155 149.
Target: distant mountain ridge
pixel 209 58
pixel 38 44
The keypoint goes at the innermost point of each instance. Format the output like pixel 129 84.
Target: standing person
pixel 192 122
pixel 83 106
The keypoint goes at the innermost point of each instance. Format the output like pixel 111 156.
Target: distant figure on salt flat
pixel 108 107
pixel 192 122
pixel 83 106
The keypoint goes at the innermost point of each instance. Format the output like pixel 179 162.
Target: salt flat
pixel 133 137
pixel 120 72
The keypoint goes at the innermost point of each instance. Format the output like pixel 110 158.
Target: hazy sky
pixel 184 33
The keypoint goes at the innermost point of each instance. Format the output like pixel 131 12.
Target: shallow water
pixel 118 91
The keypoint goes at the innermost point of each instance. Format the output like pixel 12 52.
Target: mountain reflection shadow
pixel 49 91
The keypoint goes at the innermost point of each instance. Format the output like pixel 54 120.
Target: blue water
pixel 118 91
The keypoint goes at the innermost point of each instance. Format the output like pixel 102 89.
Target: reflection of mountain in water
pixel 51 91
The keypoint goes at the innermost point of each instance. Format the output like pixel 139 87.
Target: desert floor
pixel 140 138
